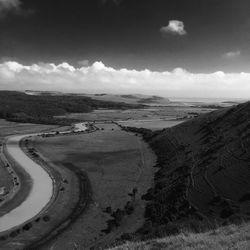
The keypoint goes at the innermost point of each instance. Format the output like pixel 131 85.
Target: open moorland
pixel 119 167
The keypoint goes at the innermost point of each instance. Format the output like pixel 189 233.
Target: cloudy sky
pixel 186 48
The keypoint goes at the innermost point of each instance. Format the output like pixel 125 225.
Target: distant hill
pixel 132 99
pixel 129 99
pixel 203 172
pixel 41 107
pixel 33 92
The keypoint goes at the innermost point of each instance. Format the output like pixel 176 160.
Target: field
pixel 152 118
pixel 131 99
pixel 119 167
pixel 151 124
pixel 12 128
pixel 102 175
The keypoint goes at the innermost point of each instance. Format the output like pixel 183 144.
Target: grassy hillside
pixel 202 174
pixel 228 237
pixel 131 99
pixel 203 171
pixel 17 106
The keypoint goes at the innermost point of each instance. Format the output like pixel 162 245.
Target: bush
pixel 27 227
pixel 46 218
pixel 226 212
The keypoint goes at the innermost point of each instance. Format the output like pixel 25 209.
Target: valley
pixel 130 174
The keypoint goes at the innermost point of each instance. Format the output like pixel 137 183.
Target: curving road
pixel 40 193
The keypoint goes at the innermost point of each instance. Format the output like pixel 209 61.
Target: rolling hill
pixel 134 99
pixel 41 108
pixel 131 99
pixel 202 174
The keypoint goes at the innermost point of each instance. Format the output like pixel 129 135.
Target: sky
pixel 182 48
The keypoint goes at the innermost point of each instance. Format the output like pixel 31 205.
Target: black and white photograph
pixel 124 125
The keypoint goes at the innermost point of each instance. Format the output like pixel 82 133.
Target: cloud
pixel 9 6
pixel 13 7
pixel 84 62
pixel 232 54
pixel 98 78
pixel 174 27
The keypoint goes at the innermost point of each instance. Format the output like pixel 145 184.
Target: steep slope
pixel 203 173
pixel 224 238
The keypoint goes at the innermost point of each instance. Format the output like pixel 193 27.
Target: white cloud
pixel 232 54
pixel 9 5
pixel 99 78
pixel 175 27
pixel 83 63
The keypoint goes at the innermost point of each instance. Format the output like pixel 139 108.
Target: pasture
pixel 150 124
pixel 152 118
pixel 116 162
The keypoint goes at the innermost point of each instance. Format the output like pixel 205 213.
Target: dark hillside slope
pixel 203 172
pixel 18 106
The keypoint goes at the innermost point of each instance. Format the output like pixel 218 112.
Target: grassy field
pixel 151 124
pixel 229 237
pixel 137 114
pixel 116 162
pixel 71 196
pixel 65 200
pixel 12 128
pixel 153 118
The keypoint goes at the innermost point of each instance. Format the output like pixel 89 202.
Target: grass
pixel 203 170
pixel 70 198
pixel 65 201
pixel 153 124
pixel 115 162
pixel 5 180
pixel 12 128
pixel 229 237
pixel 156 114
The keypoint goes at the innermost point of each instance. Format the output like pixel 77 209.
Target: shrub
pixel 27 227
pixel 226 212
pixel 46 218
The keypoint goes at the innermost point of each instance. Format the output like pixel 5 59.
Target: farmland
pixel 117 163
pixel 155 118
pixel 111 185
